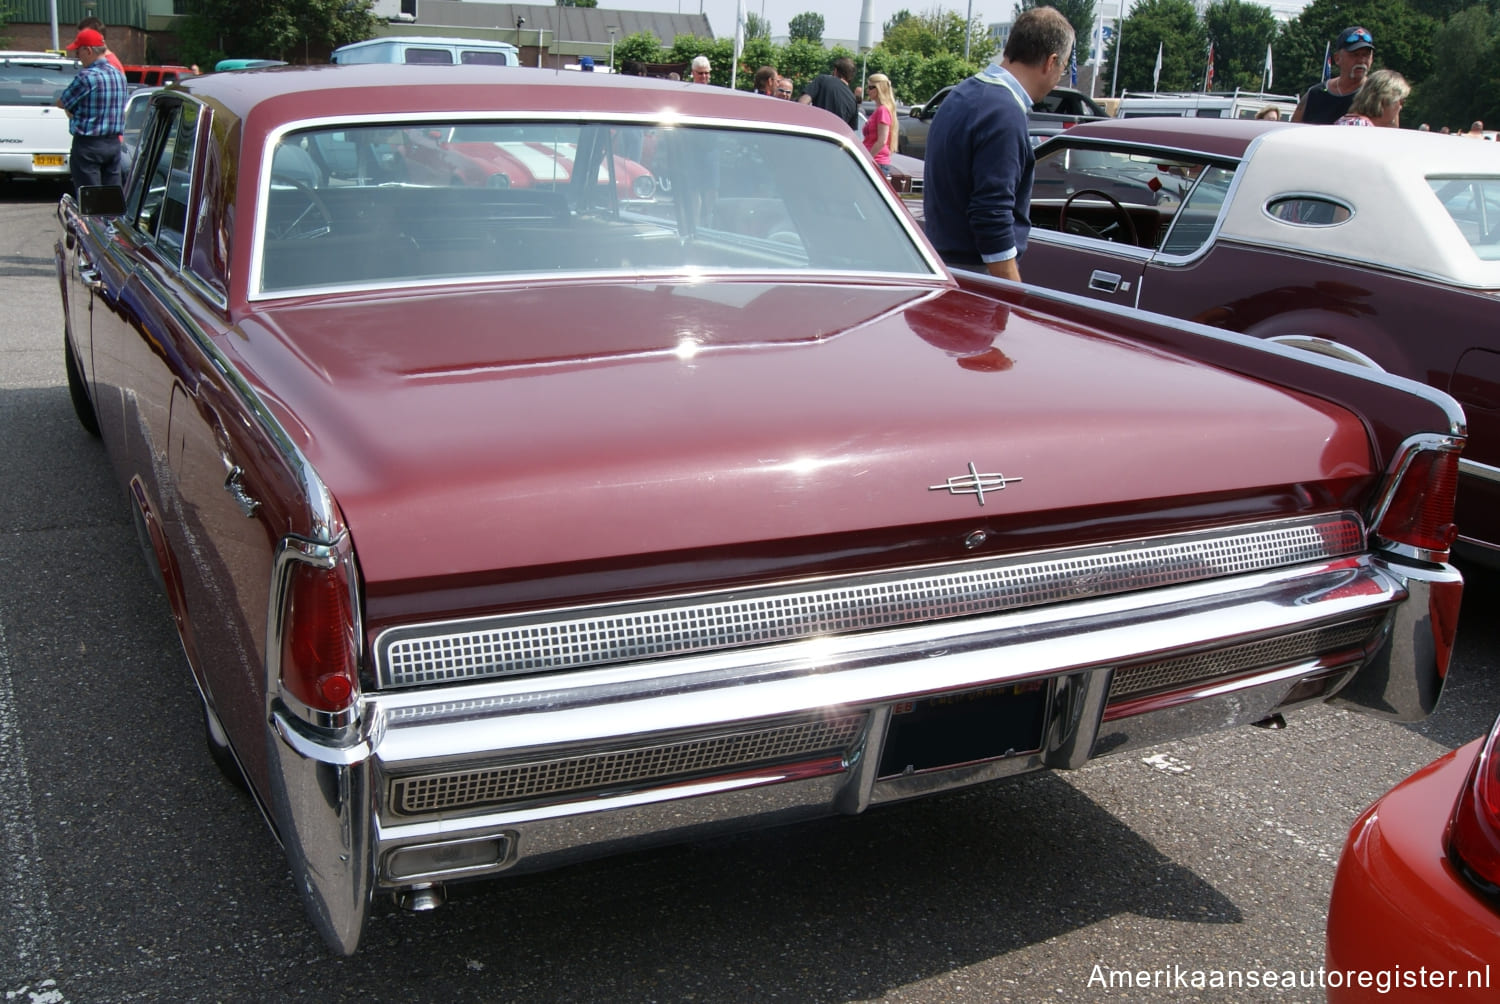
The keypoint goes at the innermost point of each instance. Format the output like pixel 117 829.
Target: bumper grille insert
pixel 549 641
pixel 1170 674
pixel 625 768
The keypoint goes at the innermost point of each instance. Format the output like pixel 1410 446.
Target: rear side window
pixel 428 56
pixel 1474 204
pixel 1308 211
pixel 39 84
pixel 483 57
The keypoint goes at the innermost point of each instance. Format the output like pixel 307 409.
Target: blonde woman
pixel 881 128
pixel 1378 101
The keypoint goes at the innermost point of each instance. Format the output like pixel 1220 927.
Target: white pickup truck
pixel 34 136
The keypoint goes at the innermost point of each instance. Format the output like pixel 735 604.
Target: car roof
pixel 1382 174
pixel 1212 136
pixel 266 98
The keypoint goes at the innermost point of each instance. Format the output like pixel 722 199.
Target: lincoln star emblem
pixel 974 483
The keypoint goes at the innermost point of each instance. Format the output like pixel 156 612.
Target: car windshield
pixel 442 201
pixel 38 82
pixel 1474 204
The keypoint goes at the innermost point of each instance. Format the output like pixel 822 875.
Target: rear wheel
pixel 82 406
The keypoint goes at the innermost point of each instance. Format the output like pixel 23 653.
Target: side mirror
pixel 101 200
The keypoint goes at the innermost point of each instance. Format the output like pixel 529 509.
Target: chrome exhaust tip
pixel 421 898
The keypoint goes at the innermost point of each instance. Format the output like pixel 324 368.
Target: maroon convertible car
pixel 509 525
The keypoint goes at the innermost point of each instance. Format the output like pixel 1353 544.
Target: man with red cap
pixel 1326 103
pixel 95 103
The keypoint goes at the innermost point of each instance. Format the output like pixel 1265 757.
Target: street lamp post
pixel 611 48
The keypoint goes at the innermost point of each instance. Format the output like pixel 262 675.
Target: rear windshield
pixel 443 201
pixel 35 83
pixel 1474 204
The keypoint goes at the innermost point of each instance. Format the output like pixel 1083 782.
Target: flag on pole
pixel 1269 77
pixel 1156 73
pixel 1208 75
pixel 1073 68
pixel 1327 61
pixel 739 40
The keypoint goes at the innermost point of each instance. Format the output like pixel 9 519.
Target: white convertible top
pixel 1382 174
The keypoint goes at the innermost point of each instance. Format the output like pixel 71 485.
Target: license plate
pixel 48 160
pixel 956 729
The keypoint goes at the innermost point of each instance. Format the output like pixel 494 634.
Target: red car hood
pixel 477 430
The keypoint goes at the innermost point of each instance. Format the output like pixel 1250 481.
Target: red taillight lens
pixel 319 653
pixel 1421 511
pixel 1474 834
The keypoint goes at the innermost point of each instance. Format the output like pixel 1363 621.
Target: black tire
pixel 82 406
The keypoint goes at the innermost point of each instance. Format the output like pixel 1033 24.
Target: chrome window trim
pixel 590 637
pixel 668 118
pixel 1152 256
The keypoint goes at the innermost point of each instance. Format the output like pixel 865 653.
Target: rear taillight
pixel 1474 833
pixel 1420 513
pixel 319 637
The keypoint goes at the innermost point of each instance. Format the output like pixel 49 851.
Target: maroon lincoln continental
pixel 512 520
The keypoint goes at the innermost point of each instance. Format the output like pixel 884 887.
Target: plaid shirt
pixel 95 101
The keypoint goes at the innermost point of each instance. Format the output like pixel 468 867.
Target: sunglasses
pixel 1358 36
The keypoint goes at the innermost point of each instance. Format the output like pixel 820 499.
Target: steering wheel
pixel 307 222
pixel 1120 211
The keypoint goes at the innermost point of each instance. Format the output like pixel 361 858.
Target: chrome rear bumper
pixel 603 741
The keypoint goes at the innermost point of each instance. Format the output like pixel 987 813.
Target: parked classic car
pixel 1416 897
pixel 1380 248
pixel 506 527
pixel 1062 108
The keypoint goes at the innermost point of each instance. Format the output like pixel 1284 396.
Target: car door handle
pixel 1104 282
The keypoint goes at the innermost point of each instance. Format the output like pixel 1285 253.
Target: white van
pixel 34 137
pixel 422 49
pixel 1220 105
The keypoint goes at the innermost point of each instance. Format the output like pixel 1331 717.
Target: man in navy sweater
pixel 976 194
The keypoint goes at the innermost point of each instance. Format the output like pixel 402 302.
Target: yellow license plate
pixel 48 160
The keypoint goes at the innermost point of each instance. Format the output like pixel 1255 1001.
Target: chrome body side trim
pixel 1474 469
pixel 334 788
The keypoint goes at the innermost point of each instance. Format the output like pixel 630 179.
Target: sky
pixel 840 17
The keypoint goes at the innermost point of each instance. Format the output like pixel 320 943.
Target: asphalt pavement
pixel 132 871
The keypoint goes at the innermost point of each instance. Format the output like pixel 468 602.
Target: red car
pixel 1379 247
pixel 511 157
pixel 1415 911
pixel 508 526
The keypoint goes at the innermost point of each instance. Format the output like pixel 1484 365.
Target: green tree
pixel 807 27
pixel 1172 25
pixel 896 19
pixel 576 3
pixel 1466 84
pixel 290 30
pixel 1239 32
pixel 642 47
pixel 937 32
pixel 757 27
pixel 1080 14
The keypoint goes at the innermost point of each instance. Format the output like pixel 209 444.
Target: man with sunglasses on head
pixel 1326 103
